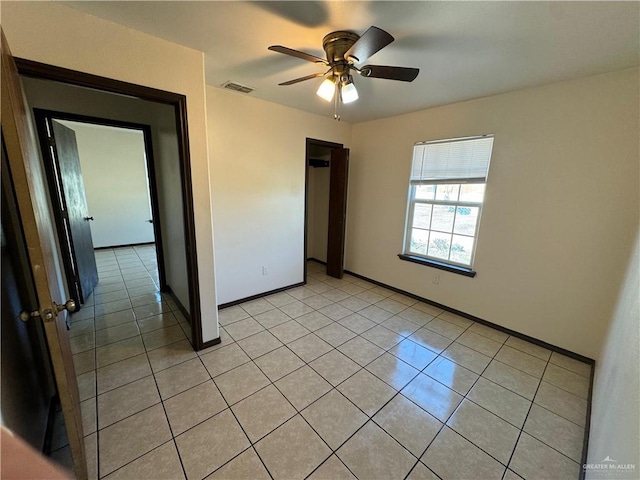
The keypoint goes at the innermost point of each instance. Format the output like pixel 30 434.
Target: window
pixel 446 192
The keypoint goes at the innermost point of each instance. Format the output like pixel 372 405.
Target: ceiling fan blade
pixel 302 79
pixel 295 53
pixel 372 41
pixel 403 74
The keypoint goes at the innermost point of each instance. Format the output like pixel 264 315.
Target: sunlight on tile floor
pixel 336 379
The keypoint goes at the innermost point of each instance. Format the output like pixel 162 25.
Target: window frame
pixel 411 203
pixel 425 259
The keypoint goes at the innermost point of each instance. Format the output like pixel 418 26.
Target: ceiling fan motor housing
pixel 336 44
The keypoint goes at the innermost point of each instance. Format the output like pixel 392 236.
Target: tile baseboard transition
pixel 183 310
pixel 125 245
pixel 540 343
pixel 259 295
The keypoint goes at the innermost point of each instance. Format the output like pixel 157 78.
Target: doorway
pixel 117 183
pixel 327 166
pixel 102 183
pixel 58 89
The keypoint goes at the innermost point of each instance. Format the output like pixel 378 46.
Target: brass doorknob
pixel 69 305
pixel 47 315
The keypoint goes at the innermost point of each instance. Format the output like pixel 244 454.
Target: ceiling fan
pixel 344 50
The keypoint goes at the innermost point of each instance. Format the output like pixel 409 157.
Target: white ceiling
pixel 464 50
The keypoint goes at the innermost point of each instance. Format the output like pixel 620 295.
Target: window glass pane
pixel 421 215
pixel 419 239
pixel 447 192
pixel 461 248
pixel 425 192
pixel 472 192
pixel 466 219
pixel 443 218
pixel 439 245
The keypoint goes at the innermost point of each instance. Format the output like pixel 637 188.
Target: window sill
pixel 467 272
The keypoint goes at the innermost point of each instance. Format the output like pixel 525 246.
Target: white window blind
pixel 462 160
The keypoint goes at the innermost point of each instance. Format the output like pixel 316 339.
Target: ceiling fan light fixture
pixel 327 89
pixel 345 49
pixel 348 91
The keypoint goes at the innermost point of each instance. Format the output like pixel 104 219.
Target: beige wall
pixel 52 33
pixel 615 414
pixel 257 152
pixel 560 213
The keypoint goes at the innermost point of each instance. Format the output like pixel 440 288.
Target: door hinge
pixel 52 141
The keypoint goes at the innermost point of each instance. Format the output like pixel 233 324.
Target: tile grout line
pixel 251 444
pixel 540 406
pixel 399 392
pixel 97 395
pixel 361 367
pixel 155 382
pixel 466 395
pixel 531 401
pixel 299 412
pixel 369 418
pixel 95 366
pixel 166 417
pixel 540 380
pixel 444 424
pixel 524 423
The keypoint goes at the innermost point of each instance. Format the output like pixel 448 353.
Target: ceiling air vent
pixel 236 87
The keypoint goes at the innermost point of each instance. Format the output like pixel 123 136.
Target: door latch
pixel 47 314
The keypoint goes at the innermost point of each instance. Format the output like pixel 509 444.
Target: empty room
pixel 365 240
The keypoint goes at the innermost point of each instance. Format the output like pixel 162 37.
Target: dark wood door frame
pixel 43 118
pixel 338 182
pixel 309 143
pixel 44 71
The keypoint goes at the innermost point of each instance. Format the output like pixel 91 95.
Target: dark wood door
pixel 338 177
pixel 27 382
pixel 73 209
pixel 28 183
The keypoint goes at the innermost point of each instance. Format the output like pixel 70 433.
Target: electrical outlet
pixel 265 271
pixel 436 279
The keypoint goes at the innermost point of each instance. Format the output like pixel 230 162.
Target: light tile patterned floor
pixel 336 379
